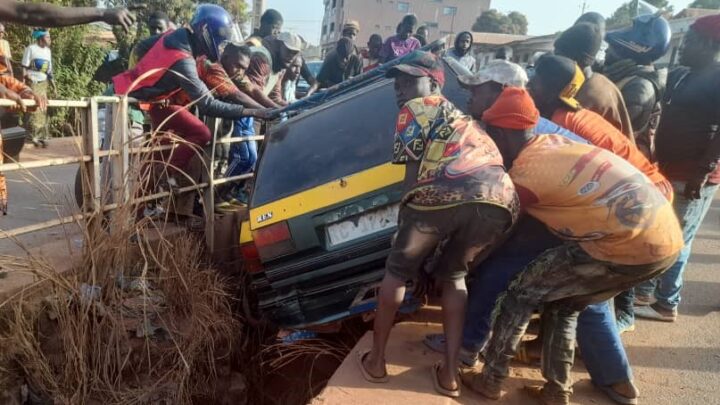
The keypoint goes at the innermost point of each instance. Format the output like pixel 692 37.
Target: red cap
pixel 708 26
pixel 514 109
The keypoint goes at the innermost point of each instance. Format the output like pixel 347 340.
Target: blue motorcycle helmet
pixel 212 26
pixel 647 40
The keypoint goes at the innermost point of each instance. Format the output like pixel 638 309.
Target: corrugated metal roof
pixel 492 38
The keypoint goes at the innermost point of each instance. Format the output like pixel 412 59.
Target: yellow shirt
pixel 589 195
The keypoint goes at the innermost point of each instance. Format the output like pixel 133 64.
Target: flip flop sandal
pixel 437 343
pixel 438 387
pixel 615 396
pixel 361 354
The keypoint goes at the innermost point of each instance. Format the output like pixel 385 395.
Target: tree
pixel 625 13
pixel 495 21
pixel 518 23
pixel 707 4
pixel 179 12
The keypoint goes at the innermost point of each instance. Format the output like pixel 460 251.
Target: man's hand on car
pixel 264 113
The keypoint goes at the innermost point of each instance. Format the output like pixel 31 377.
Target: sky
pixel 304 17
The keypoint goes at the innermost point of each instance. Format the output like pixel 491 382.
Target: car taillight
pixel 251 258
pixel 273 241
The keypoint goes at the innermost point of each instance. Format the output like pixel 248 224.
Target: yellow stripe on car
pixel 245 234
pixel 326 195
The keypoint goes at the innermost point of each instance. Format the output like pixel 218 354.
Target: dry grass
pixel 142 320
pixel 76 347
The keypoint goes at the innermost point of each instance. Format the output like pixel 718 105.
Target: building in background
pixel 442 17
pixel 485 44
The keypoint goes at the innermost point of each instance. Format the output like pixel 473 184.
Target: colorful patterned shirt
pixel 587 194
pixel 459 163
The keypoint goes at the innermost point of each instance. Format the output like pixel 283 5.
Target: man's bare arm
pixel 48 15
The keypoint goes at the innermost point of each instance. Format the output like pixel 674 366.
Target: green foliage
pixel 707 4
pixel 625 13
pixel 179 11
pixel 75 59
pixel 495 21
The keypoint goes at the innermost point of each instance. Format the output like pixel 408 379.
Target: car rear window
pixel 353 134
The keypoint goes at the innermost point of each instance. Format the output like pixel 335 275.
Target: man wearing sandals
pixel 603 353
pixel 459 198
pixel 619 230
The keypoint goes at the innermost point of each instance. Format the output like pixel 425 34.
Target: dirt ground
pixel 673 363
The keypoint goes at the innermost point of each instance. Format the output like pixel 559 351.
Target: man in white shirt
pixel 292 73
pixel 462 52
pixel 38 73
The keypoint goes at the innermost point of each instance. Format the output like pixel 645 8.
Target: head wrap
pixel 344 47
pixel 580 43
pixel 514 109
pixel 351 25
pixel 39 33
pixel 708 27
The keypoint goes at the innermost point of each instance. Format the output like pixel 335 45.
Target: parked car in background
pixel 324 207
pixel 303 86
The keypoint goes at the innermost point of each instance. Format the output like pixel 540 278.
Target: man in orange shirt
pixel 17 91
pixel 618 230
pixel 556 82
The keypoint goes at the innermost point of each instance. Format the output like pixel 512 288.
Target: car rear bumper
pixel 325 287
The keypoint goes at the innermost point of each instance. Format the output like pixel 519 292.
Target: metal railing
pixel 118 152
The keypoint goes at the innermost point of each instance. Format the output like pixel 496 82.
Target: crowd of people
pixel 578 185
pixel 581 185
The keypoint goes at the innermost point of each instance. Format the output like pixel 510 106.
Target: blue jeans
pixel 691 214
pixel 597 335
pixel 243 155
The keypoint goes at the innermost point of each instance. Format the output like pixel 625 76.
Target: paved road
pixel 40 195
pixel 679 363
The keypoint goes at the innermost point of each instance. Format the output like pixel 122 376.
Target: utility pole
pixel 257 10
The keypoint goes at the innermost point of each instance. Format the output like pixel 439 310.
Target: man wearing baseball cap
pixel 688 152
pixel 599 340
pixel 618 229
pixel 488 83
pixel 556 82
pixel 268 64
pixel 458 196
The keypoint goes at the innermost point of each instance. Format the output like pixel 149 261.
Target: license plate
pixel 363 225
